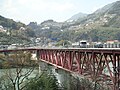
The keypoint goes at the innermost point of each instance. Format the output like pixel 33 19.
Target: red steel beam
pixel 88 62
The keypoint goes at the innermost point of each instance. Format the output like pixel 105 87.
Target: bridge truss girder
pixel 101 66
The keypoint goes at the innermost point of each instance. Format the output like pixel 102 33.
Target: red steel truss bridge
pixel 100 65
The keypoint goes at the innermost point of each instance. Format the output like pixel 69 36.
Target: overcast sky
pixel 39 10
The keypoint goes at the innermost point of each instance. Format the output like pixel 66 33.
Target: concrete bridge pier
pixel 43 67
pixel 63 77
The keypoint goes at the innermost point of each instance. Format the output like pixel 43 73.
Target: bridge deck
pixel 90 62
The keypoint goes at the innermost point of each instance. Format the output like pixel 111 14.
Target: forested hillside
pixel 102 25
pixel 9 23
pixel 14 32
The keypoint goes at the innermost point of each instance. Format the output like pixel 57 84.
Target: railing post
pixel 118 69
pixel 115 71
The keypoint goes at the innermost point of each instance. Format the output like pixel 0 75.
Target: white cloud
pixel 61 7
pixel 7 4
pixel 37 10
pixel 23 2
pixel 45 8
pixel 44 5
pixel 96 8
pixel 9 7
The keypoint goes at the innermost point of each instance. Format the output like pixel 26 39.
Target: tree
pixel 43 82
pixel 30 32
pixel 63 43
pixel 22 66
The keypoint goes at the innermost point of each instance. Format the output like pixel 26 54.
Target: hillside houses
pixel 2 29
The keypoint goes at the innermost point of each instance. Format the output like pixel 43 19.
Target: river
pixel 12 73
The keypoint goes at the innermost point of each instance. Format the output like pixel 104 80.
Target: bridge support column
pixel 43 66
pixel 64 78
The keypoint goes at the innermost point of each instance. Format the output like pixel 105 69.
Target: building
pixel 112 44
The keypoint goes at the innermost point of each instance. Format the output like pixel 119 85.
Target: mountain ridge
pixel 106 18
pixel 10 23
pixel 77 16
pixel 101 25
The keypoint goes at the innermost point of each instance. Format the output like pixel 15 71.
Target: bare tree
pixel 22 67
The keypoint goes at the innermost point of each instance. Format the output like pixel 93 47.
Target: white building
pixel 2 29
